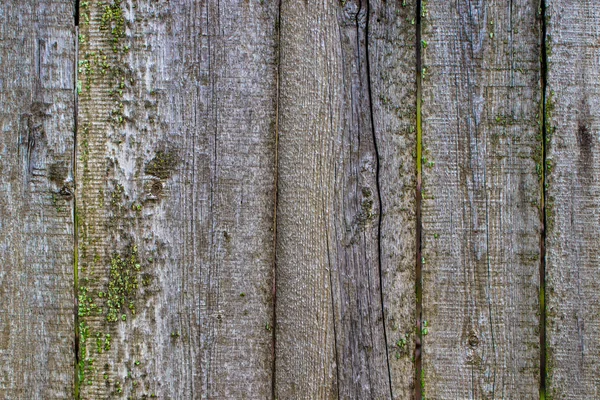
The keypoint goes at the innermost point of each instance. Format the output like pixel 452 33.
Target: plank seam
pixel 276 186
pixel 76 12
pixel 542 271
pixel 76 349
pixel 378 186
pixel 418 198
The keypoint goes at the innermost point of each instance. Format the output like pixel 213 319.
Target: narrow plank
pixel 37 56
pixel 392 30
pixel 330 329
pixel 176 175
pixel 573 200
pixel 481 199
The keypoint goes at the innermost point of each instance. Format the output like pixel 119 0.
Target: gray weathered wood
pixel 481 198
pixel 573 200
pixel 37 55
pixel 392 29
pixel 176 176
pixel 330 332
pixel 187 112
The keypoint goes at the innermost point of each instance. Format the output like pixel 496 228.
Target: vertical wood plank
pixel 176 175
pixel 392 30
pixel 37 56
pixel 481 198
pixel 573 200
pixel 328 209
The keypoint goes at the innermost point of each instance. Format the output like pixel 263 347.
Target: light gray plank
pixel 481 199
pixel 573 198
pixel 37 55
pixel 176 175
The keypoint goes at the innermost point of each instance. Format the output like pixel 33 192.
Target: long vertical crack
pixel 418 195
pixel 377 183
pixel 276 183
pixel 76 351
pixel 542 293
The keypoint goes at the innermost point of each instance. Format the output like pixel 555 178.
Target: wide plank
pixel 176 181
pixel 481 199
pixel 331 337
pixel 37 119
pixel 573 199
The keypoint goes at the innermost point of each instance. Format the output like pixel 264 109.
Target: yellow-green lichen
pixel 123 285
pixel 113 21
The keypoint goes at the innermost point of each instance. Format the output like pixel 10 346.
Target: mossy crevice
pixel 546 132
pixel 420 14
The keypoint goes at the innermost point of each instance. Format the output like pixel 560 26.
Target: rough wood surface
pixel 142 254
pixel 481 197
pixel 176 176
pixel 392 56
pixel 37 56
pixel 330 334
pixel 573 200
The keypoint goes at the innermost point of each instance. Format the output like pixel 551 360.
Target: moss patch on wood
pixel 162 165
pixel 123 285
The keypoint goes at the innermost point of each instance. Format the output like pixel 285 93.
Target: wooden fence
pixel 299 199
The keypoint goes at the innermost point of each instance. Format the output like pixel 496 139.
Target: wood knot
pixel 473 340
pixel 66 192
pixel 156 188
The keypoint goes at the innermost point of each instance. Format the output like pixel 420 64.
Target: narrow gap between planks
pixel 544 128
pixel 276 183
pixel 76 394
pixel 418 197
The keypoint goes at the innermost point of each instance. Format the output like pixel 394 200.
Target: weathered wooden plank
pixel 481 198
pixel 37 56
pixel 176 175
pixel 392 56
pixel 573 200
pixel 331 339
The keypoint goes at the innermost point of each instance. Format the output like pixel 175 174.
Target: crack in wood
pixel 542 272
pixel 418 198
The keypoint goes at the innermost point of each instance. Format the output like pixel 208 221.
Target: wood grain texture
pixel 330 330
pixel 391 35
pixel 176 175
pixel 481 198
pixel 573 200
pixel 37 56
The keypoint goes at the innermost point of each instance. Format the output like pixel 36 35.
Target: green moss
pixel 402 346
pixel 85 367
pixel 84 12
pixel 113 21
pixel 86 305
pixel 116 197
pixel 103 342
pixel 123 284
pixel 424 10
